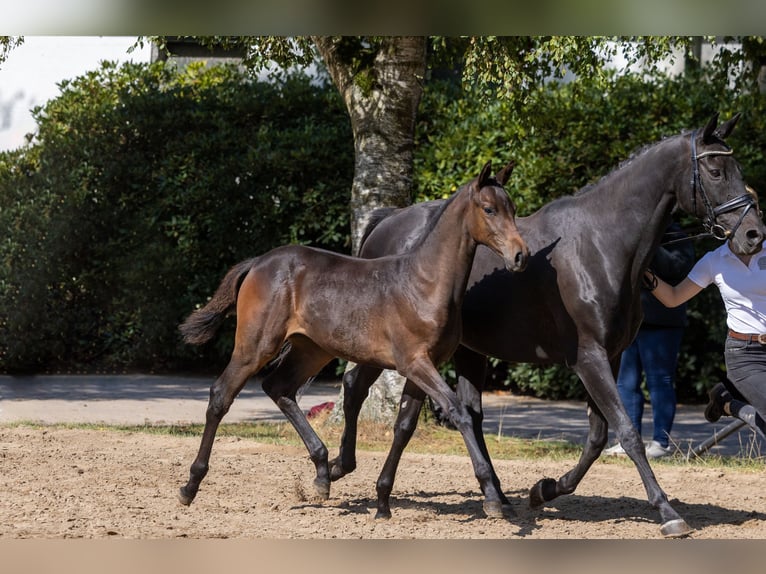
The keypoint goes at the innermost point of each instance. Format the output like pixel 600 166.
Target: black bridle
pixel 710 222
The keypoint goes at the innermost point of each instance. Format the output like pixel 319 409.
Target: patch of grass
pixel 429 438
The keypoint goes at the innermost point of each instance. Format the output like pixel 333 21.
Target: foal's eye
pixel 489 211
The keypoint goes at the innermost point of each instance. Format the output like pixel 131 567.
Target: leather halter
pixel 747 200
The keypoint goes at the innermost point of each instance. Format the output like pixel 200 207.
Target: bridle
pixel 710 223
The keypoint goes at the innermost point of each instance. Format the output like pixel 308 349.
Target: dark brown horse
pixel 398 312
pixel 577 303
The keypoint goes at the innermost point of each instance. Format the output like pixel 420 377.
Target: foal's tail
pixel 203 323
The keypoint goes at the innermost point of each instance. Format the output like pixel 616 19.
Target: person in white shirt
pixel 741 280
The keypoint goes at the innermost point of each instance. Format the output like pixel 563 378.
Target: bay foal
pixel 305 306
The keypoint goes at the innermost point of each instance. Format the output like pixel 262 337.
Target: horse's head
pixel 492 217
pixel 719 195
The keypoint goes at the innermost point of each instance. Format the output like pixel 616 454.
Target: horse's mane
pixel 376 217
pixel 635 154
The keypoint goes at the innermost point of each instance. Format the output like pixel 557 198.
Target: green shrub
pixel 142 187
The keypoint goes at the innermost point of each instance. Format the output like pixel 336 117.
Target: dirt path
pixel 63 483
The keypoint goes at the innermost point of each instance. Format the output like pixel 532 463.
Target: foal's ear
pixel 485 175
pixel 723 131
pixel 504 174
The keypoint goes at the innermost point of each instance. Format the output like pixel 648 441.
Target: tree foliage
pixel 7 44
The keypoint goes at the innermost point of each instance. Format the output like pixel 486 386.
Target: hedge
pixel 141 188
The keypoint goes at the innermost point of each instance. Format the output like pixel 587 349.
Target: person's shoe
pixel 718 397
pixel 656 450
pixel 615 450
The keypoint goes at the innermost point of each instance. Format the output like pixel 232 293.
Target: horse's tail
pixel 375 218
pixel 203 324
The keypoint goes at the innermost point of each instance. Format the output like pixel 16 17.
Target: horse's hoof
pixel 542 492
pixel 508 511
pixel 675 528
pixel 383 514
pixel 322 488
pixel 184 498
pixel 338 471
pixel 493 509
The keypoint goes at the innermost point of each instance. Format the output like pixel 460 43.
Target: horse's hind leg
pixel 356 384
pixel 406 421
pixel 471 368
pixel 258 338
pixel 303 360
pixel 547 489
pixel 222 394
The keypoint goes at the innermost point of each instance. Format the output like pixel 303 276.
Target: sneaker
pixel 615 450
pixel 656 450
pixel 718 397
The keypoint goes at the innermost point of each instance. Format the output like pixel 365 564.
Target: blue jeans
pixel 654 351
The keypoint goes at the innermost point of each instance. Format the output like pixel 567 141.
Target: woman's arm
pixel 669 295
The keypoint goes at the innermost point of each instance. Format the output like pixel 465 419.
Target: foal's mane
pixel 383 212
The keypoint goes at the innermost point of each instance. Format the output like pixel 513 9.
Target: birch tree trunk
pixel 382 93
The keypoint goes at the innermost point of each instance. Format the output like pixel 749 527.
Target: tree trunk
pixel 382 96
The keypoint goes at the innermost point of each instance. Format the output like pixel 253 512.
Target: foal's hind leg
pixel 222 394
pixel 302 361
pixel 356 384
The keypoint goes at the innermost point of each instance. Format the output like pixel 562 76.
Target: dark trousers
pixel 746 371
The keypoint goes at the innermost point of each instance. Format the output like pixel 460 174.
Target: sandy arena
pixel 73 483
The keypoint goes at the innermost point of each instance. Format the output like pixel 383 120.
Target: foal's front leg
pixel 423 373
pixel 409 410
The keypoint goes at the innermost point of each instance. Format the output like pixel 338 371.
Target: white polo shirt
pixel 742 287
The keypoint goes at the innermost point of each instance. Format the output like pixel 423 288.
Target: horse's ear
pixel 708 133
pixel 504 174
pixel 485 175
pixel 723 131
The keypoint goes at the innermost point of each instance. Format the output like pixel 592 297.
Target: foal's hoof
pixel 494 509
pixel 675 528
pixel 184 498
pixel 542 492
pixel 322 488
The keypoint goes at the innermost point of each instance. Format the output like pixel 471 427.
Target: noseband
pixel 710 223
